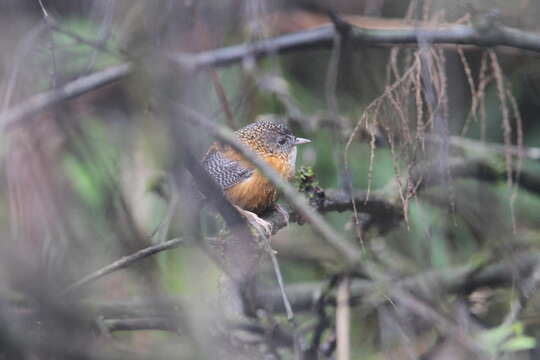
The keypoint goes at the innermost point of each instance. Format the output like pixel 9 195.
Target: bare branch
pixel 124 262
pixel 147 323
pixel 478 169
pixel 309 39
pixel 532 153
pixel 69 91
pixel 323 37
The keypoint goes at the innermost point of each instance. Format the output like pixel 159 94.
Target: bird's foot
pixel 262 226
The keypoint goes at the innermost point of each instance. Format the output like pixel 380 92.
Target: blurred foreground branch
pixel 125 262
pixel 69 91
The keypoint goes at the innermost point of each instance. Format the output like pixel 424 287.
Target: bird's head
pixel 269 136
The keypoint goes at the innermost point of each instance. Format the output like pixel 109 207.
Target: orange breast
pixel 256 193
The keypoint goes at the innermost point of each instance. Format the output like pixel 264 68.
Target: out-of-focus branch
pixel 146 323
pixel 528 152
pixel 171 323
pixel 170 313
pixel 125 262
pixel 481 170
pixel 277 336
pixel 69 91
pixel 323 37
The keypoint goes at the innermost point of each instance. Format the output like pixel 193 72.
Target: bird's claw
pixel 262 226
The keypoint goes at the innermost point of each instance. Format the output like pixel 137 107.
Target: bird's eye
pixel 282 141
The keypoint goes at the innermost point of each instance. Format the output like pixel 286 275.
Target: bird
pixel 243 184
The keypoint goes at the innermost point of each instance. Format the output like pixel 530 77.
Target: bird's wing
pixel 225 171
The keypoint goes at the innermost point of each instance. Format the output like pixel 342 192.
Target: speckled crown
pixel 258 134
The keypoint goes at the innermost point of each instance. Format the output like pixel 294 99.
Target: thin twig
pixel 323 321
pixel 124 262
pixel 279 276
pixel 21 52
pixel 51 42
pixel 103 36
pixel 101 46
pixel 220 92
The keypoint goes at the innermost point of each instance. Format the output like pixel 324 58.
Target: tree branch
pixel 146 323
pixel 124 262
pixel 323 37
pixel 309 39
pixel 480 169
pixel 69 91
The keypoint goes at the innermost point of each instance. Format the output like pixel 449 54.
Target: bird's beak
pixel 299 141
